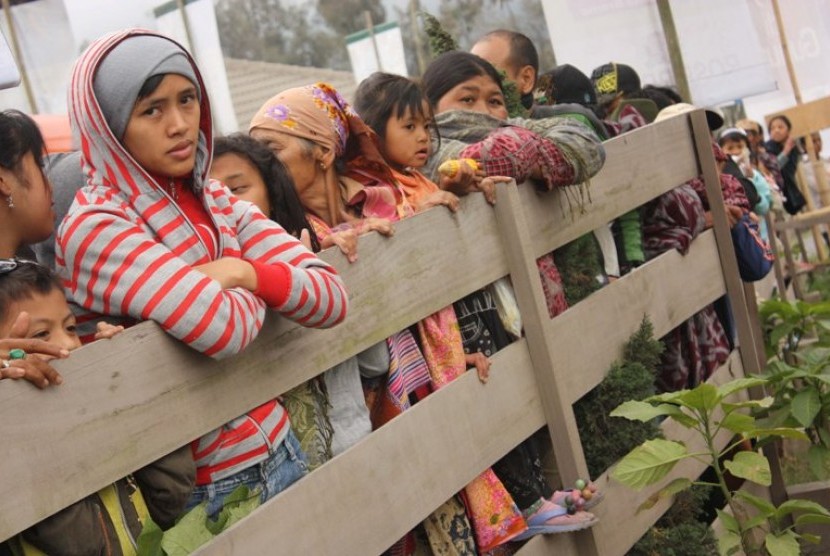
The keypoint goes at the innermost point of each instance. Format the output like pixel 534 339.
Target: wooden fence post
pixel 524 273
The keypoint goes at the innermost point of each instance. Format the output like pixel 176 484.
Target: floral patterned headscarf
pixel 321 115
pixel 318 113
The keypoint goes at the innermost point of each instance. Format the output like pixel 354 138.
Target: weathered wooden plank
pixel 567 448
pixel 115 410
pixel 668 290
pixel 806 118
pixel 806 220
pixel 748 335
pixel 368 497
pixel 640 166
pixel 621 502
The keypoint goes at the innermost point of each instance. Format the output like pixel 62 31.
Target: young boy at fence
pixel 110 520
pixel 735 143
pixel 397 110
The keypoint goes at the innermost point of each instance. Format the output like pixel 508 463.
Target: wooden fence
pixel 127 401
pixel 806 119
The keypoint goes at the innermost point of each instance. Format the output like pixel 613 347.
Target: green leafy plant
pixel 439 40
pixel 606 439
pixel 195 528
pixel 788 324
pixel 710 411
pixel 798 373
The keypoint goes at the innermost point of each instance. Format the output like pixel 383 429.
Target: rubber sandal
pixel 563 523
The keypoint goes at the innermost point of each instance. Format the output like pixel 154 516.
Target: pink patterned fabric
pixel 519 153
pixel 696 348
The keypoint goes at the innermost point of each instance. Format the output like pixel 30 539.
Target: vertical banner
pixel 207 51
pixel 380 50
pixel 722 51
pixel 721 47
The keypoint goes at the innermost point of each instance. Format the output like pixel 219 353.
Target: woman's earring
pixel 11 202
pixel 323 166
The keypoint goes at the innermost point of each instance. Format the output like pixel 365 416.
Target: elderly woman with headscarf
pixel 345 184
pixel 150 237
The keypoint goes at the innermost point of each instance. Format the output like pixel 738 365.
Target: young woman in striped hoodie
pixel 151 237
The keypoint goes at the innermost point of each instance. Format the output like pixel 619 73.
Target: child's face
pixel 407 140
pixel 242 178
pixel 50 319
pixel 479 94
pixel 732 147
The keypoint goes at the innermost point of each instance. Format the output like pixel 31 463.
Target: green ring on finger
pixel 17 353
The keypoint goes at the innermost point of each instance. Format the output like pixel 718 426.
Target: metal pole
pixel 673 45
pixel 27 86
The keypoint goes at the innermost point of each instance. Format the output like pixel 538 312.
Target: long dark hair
pixel 286 209
pixel 19 135
pixel 453 68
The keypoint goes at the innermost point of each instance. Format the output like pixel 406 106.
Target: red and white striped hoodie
pixel 126 249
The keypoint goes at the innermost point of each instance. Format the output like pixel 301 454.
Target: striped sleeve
pixel 113 267
pixel 316 296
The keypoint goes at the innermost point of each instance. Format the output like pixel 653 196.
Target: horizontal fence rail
pixel 127 401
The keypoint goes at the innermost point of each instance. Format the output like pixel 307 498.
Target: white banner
pixel 384 53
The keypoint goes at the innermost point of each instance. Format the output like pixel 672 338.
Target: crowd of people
pixel 154 218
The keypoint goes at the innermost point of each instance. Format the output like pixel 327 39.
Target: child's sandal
pixel 584 496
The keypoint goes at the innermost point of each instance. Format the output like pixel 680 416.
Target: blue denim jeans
pixel 286 465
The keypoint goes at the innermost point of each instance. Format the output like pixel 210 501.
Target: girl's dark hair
pixel 453 68
pixel 150 85
pixel 382 96
pixel 784 119
pixel 286 209
pixel 19 135
pixel 24 282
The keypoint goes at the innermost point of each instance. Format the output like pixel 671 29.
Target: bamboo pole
pixel 414 8
pixel 186 22
pixel 24 77
pixel 785 48
pixel 673 45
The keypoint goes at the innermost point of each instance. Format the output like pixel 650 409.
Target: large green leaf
pixel 765 507
pixel 648 463
pixel 148 542
pixel 785 544
pixel 799 505
pixel 739 384
pixel 729 543
pixel 667 397
pixel 738 423
pixel 782 432
pixel 643 411
pixel 780 332
pixel 188 534
pixel 729 521
pixel 819 458
pixel 702 398
pixel 805 406
pixel 763 403
pixel 677 485
pixel 751 466
pixel 812 519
